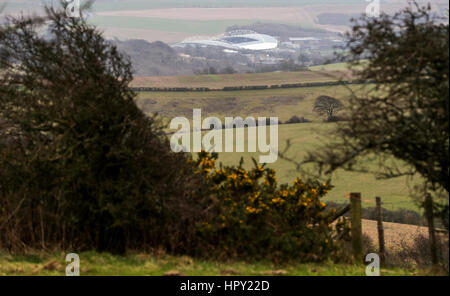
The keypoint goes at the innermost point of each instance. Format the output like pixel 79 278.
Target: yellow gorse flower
pixel 244 193
pixel 252 210
pixel 278 200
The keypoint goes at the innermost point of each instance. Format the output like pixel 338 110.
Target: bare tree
pixel 406 112
pixel 327 106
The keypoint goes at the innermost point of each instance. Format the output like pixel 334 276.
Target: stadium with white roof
pixel 236 40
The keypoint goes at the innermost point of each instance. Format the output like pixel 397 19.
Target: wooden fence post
pixel 431 231
pixel 380 231
pixel 356 230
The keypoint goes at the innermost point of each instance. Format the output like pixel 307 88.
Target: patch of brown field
pixel 145 34
pixel 155 81
pixel 223 80
pixel 285 14
pixel 395 234
pixel 211 106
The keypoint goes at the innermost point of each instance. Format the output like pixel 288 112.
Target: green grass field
pixel 285 103
pixel 95 264
pixel 306 137
pixel 310 136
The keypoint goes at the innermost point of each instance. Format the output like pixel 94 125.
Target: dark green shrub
pixel 81 166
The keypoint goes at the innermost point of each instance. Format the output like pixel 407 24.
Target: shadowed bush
pixel 81 166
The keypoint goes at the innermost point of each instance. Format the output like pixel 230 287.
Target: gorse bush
pixel 256 218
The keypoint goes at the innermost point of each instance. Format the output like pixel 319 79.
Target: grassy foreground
pixel 95 264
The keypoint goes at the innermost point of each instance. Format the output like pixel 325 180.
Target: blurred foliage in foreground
pixel 82 168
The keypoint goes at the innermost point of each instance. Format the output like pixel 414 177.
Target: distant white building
pixel 237 40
